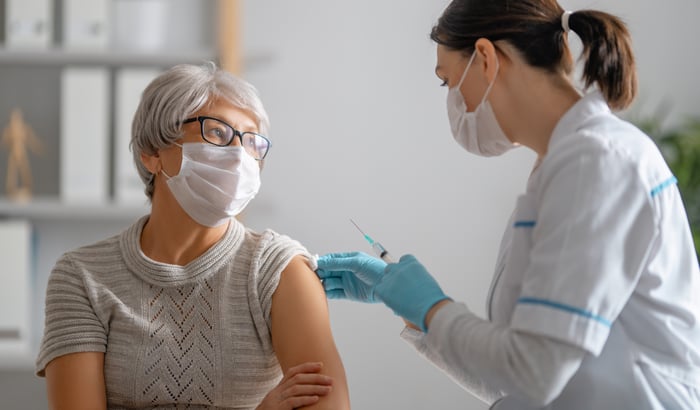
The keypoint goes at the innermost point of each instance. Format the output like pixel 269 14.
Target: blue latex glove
pixel 409 290
pixel 350 275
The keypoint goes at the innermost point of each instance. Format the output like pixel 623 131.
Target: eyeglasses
pixel 217 132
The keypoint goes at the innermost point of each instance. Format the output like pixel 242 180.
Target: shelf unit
pixel 61 57
pixel 58 226
pixel 50 208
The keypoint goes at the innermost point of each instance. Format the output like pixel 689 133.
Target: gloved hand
pixel 350 275
pixel 409 290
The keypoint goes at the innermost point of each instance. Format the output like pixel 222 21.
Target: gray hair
pixel 174 96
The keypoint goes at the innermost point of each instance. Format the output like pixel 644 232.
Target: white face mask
pixel 214 183
pixel 478 131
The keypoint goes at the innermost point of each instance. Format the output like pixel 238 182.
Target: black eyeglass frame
pixel 236 133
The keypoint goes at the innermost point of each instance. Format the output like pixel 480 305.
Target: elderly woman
pixel 187 308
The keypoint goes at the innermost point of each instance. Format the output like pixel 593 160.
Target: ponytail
pixel 607 52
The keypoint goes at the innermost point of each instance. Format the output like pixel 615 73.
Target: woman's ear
pixel 151 162
pixel 488 58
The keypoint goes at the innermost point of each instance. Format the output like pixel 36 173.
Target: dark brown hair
pixel 534 28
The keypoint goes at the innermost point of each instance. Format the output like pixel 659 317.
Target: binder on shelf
pixel 84 135
pixel 140 26
pixel 129 84
pixel 85 24
pixel 28 23
pixel 15 291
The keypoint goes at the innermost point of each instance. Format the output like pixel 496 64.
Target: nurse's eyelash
pixel 444 83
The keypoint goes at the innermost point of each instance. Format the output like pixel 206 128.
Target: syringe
pixel 376 246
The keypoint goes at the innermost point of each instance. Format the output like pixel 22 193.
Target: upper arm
pixel 71 323
pixel 301 329
pixel 76 381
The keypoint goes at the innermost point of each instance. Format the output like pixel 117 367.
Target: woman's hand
pixel 302 385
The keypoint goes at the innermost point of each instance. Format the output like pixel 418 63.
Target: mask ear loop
pixel 488 89
pixel 162 171
pixel 464 74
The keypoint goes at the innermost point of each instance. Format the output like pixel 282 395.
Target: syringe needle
pixel 357 226
pixel 370 240
pixel 376 246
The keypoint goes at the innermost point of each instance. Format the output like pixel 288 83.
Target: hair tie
pixel 565 20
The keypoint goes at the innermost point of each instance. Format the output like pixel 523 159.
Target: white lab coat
pixel 595 303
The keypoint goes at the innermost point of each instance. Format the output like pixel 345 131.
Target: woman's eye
pixel 215 132
pixel 444 83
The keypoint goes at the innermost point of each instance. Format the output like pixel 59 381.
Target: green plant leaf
pixel 680 147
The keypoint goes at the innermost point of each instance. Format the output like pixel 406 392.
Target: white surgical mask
pixel 478 131
pixel 214 183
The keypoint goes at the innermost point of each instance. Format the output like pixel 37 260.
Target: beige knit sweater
pixel 194 336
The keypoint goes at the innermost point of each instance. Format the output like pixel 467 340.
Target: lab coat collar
pixel 590 105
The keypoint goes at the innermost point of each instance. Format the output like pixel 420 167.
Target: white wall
pixel 360 131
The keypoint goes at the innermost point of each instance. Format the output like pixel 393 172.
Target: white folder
pixel 84 136
pixel 85 24
pixel 143 25
pixel 28 23
pixel 129 85
pixel 15 291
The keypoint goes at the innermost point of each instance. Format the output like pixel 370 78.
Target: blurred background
pixel 359 130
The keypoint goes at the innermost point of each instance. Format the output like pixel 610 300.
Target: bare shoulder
pixel 301 329
pixel 297 279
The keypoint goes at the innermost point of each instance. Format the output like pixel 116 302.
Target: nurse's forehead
pixel 445 62
pixel 440 59
pixel 445 58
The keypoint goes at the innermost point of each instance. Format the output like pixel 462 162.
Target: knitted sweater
pixel 194 336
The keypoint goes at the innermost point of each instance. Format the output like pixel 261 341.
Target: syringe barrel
pixel 382 253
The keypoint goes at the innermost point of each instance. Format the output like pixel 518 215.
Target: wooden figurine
pixel 19 137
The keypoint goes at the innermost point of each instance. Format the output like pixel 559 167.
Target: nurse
pixel 595 302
